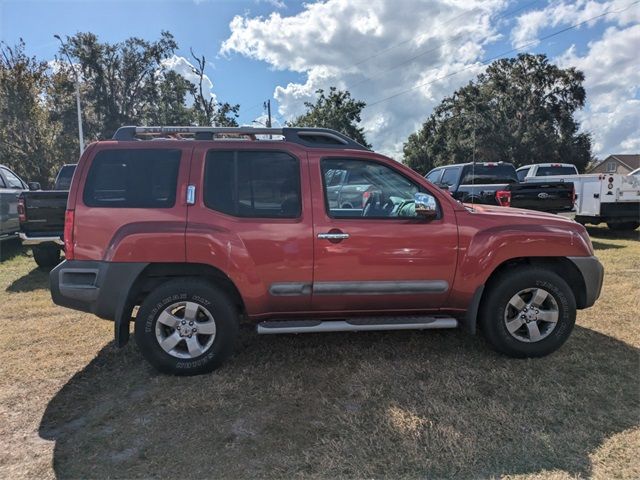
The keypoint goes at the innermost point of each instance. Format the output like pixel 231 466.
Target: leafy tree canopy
pixel 521 110
pixel 337 111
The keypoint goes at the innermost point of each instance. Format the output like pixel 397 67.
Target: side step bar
pixel 358 324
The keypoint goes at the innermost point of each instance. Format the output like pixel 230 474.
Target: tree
pixel 521 110
pixel 206 108
pixel 120 81
pixel 337 111
pixel 28 139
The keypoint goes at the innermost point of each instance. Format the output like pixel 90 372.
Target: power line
pixel 487 60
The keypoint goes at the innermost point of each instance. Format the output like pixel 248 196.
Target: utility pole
pixel 267 105
pixel 78 108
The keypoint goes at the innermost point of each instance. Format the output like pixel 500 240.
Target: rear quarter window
pixel 133 178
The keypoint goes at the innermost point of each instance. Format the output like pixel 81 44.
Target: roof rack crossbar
pixel 309 137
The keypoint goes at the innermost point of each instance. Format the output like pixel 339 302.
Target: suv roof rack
pixel 309 137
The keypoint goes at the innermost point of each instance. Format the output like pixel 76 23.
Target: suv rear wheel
pixel 528 313
pixel 186 327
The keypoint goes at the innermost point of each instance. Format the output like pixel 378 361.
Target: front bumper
pixel 592 273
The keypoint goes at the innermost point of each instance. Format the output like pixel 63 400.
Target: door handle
pixel 333 236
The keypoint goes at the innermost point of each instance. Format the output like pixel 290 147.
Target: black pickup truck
pixel 497 184
pixel 41 215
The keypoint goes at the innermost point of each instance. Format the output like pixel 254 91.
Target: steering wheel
pixel 377 205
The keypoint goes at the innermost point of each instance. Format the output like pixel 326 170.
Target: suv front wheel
pixel 186 327
pixel 529 312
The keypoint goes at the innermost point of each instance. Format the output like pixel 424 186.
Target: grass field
pixel 362 405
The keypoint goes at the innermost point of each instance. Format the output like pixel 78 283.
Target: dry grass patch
pixel 367 405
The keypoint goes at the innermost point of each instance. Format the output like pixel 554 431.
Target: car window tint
pixel 63 182
pixel 434 176
pixel 253 184
pixel 450 176
pixel 370 189
pixel 547 171
pixel 133 178
pixel 522 174
pixel 12 179
pixel 486 174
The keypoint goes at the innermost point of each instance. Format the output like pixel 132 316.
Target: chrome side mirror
pixel 425 205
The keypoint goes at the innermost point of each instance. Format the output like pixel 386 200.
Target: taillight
pixel 503 197
pixel 22 211
pixel 365 197
pixel 573 193
pixel 69 218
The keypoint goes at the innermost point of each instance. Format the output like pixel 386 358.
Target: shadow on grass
pixel 599 232
pixel 394 404
pixel 10 249
pixel 605 246
pixel 36 279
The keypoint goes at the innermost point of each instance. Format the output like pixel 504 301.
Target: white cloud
pixel 279 4
pixel 529 24
pixel 375 48
pixel 612 82
pixel 185 68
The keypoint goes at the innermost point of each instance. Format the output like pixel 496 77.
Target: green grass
pixel 361 405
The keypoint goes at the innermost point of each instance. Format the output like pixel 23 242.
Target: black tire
pixel 46 256
pixel 623 226
pixel 206 296
pixel 496 301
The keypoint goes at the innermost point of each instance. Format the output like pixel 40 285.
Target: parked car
pixel 187 237
pixel 41 217
pixel 11 186
pixel 613 198
pixel 496 183
pixel 546 170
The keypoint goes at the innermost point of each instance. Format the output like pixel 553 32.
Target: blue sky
pixel 284 50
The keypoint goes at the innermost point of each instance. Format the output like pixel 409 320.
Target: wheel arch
pixel 155 274
pixel 561 266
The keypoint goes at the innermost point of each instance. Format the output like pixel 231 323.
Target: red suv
pixel 188 230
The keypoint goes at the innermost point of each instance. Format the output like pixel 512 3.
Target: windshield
pixel 547 171
pixel 484 174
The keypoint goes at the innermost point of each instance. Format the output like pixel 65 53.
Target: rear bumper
pixel 101 288
pixel 593 275
pixel 28 240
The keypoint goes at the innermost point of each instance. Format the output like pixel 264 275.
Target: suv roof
pixel 308 137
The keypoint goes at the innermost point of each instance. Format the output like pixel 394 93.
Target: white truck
pixel 613 198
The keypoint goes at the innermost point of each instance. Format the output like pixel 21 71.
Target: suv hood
pixel 520 213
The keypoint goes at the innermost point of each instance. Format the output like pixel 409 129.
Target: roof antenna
pixel 473 157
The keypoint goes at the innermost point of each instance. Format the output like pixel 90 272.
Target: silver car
pixel 11 186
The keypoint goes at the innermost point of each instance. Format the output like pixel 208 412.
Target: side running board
pixel 356 324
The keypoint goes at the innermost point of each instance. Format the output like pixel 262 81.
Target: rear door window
pixel 254 184
pixel 133 178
